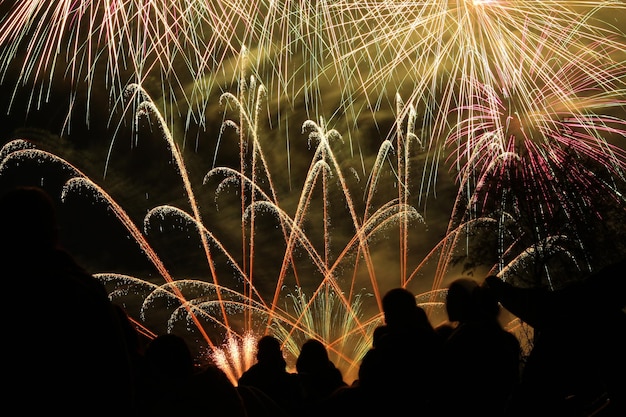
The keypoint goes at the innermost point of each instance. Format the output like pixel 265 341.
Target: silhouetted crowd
pixel 68 350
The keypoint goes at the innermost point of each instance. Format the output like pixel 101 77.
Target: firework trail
pixel 547 158
pixel 183 50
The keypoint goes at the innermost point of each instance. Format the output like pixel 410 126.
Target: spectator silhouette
pixel 406 324
pixel 210 392
pixel 481 360
pixel 458 305
pixel 170 365
pixel 318 375
pixel 169 358
pixel 136 344
pixel 269 374
pixel 259 404
pixel 400 370
pixel 577 365
pixel 72 358
pixel 176 386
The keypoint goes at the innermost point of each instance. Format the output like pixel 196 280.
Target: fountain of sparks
pixel 328 304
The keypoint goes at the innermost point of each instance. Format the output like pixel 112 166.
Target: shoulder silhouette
pixel 177 386
pixel 269 374
pixel 318 375
pixel 401 367
pixel 481 359
pixel 72 355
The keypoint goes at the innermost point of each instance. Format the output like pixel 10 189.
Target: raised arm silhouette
pixel 577 365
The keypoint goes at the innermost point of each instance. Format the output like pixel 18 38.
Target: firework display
pixel 513 109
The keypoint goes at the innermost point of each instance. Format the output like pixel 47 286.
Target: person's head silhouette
pixel 313 357
pixel 28 220
pixel 461 300
pixel 268 351
pixel 399 307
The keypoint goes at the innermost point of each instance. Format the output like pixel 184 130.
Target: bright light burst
pixel 341 60
pixel 183 50
pixel 546 151
pixel 236 355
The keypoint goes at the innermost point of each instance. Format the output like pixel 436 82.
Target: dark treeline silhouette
pixel 70 350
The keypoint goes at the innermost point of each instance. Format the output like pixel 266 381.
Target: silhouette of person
pixel 136 344
pixel 169 367
pixel 269 374
pixel 68 354
pixel 169 359
pixel 258 404
pixel 318 375
pixel 210 392
pixel 363 397
pixel 481 360
pixel 458 305
pixel 577 365
pixel 405 323
pixel 401 367
pixel 176 386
